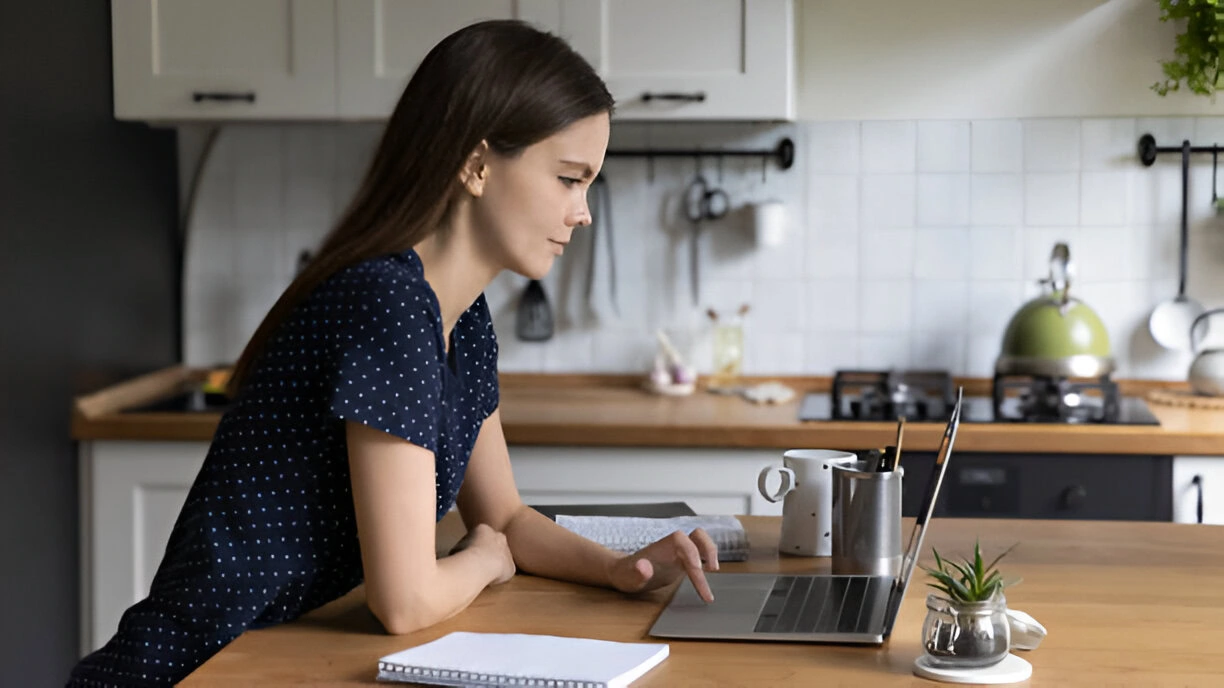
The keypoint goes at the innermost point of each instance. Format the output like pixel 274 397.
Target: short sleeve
pixel 387 360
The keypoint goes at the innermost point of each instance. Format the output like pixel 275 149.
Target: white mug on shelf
pixel 807 491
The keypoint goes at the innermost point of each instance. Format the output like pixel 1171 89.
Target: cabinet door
pixel 132 493
pixel 223 59
pixel 381 42
pixel 1210 487
pixel 689 59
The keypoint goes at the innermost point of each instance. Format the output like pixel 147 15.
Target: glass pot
pixel 959 635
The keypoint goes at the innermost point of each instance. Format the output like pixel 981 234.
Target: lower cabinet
pixel 131 493
pixel 1198 480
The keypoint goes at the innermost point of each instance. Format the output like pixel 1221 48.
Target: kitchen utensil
pixel 601 223
pixel 1207 369
pixel 534 321
pixel 1170 321
pixel 701 202
pixel 1055 334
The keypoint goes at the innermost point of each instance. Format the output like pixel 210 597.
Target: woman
pixel 365 404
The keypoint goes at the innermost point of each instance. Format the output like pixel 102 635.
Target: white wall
pixel 912 242
pixel 908 59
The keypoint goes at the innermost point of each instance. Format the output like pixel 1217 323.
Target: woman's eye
pixel 569 181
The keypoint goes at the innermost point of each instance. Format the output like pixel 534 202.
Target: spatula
pixel 534 321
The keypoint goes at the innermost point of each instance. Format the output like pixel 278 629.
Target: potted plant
pixel 1198 61
pixel 966 626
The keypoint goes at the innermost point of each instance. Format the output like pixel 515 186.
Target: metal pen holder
pixel 866 519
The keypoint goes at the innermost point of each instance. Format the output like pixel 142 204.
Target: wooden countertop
pixel 1125 603
pixel 588 410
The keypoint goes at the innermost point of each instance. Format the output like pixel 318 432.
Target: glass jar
pixel 728 354
pixel 959 635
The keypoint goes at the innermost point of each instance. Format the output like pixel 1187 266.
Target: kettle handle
pixel 1060 270
pixel 1194 326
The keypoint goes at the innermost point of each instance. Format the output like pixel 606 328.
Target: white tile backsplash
pixel 943 146
pixel 889 147
pixel 997 145
pixel 996 199
pixel 911 242
pixel 1051 145
pixel 888 200
pixel 1051 199
pixel 943 200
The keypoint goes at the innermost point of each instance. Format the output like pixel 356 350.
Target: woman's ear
pixel 475 170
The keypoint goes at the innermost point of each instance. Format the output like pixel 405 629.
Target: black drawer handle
pixel 1197 481
pixel 697 97
pixel 222 96
pixel 1073 497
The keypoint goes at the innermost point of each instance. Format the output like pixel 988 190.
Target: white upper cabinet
pixel 690 59
pixel 224 59
pixel 350 59
pixel 380 43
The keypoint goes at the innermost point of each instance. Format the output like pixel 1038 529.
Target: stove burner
pixel 1038 399
pixel 889 395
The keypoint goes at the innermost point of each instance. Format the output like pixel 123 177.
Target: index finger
pixel 687 552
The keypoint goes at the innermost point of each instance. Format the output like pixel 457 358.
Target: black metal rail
pixel 1148 150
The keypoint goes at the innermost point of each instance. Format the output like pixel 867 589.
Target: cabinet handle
pixel 223 96
pixel 1073 497
pixel 697 97
pixel 1197 481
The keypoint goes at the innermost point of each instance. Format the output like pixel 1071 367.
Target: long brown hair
pixel 501 81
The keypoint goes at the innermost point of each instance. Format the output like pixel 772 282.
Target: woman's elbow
pixel 401 619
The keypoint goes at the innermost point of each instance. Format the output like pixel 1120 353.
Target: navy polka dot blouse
pixel 268 532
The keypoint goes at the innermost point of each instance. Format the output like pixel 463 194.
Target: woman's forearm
pixel 543 548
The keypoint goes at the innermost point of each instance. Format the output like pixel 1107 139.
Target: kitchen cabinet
pixel 130 495
pixel 690 59
pixel 380 43
pixel 350 59
pixel 1209 470
pixel 224 59
pixel 131 492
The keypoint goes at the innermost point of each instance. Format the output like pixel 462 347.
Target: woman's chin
pixel 536 270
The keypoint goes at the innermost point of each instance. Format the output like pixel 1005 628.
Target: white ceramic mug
pixel 769 223
pixel 807 488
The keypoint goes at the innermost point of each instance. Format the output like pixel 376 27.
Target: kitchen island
pixel 1125 604
pixel 584 439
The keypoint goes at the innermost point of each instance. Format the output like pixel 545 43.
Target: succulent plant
pixel 968 580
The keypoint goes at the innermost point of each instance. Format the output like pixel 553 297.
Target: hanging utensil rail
pixel 783 153
pixel 1148 149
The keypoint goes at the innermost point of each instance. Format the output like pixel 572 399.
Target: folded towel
pixel 629 533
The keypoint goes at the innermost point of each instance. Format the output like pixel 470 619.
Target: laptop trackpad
pixel 738 600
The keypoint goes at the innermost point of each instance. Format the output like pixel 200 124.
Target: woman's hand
pixel 493 546
pixel 665 560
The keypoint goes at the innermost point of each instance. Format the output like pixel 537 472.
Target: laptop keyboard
pixel 824 604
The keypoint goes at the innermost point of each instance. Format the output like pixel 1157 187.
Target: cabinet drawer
pixel 1060 486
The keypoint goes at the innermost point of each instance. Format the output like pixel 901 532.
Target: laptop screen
pixel 928 507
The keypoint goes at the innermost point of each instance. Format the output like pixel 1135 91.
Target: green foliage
pixel 968 580
pixel 1198 59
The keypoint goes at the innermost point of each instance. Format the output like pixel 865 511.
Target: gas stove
pixel 928 396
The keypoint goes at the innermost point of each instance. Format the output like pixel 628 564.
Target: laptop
pixel 816 607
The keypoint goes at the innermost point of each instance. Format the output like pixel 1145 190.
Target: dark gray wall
pixel 87 211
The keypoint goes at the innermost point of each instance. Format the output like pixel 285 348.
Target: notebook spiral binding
pixel 467 678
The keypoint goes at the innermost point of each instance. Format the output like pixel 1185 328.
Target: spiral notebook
pixel 513 659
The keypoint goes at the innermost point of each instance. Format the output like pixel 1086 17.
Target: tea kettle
pixel 1207 370
pixel 1056 335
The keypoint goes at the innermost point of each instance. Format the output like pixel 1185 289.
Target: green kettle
pixel 1055 334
